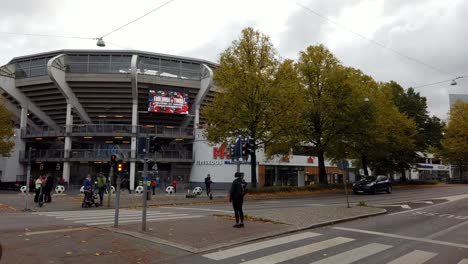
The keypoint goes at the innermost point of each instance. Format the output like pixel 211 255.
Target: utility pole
pixel 145 185
pixel 111 175
pixel 117 201
pixel 28 178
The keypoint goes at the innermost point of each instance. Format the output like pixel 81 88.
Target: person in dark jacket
pixel 236 196
pixel 49 185
pixel 208 183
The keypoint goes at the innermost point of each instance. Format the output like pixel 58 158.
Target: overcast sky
pixel 432 31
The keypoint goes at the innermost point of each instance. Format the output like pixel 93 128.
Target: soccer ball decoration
pixel 112 189
pixel 139 190
pixel 170 190
pixel 197 190
pixel 59 189
pixel 23 189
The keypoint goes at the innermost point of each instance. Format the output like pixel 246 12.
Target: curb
pixel 236 242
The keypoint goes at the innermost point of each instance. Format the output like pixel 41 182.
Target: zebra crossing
pixel 106 217
pixel 244 254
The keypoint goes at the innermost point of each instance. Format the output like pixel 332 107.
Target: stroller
pixel 90 199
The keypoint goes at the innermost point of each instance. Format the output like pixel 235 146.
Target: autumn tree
pixel 327 101
pixel 257 95
pixel 455 143
pixel 6 131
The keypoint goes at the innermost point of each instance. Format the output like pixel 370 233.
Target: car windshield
pixel 368 178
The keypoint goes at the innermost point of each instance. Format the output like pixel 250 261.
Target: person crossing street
pixel 236 196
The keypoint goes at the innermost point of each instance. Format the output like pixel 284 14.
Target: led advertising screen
pixel 170 102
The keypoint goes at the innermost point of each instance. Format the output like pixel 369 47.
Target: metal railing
pixel 109 130
pixel 103 155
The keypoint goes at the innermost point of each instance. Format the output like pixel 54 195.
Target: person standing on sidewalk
pixel 101 185
pixel 153 186
pixel 236 196
pixel 208 183
pixel 49 185
pixel 38 184
pixel 174 184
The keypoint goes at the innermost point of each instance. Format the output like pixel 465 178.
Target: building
pixel 76 108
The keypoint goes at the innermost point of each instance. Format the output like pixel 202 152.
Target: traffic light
pixel 120 166
pixel 245 149
pixel 113 159
pixel 232 151
pixel 250 146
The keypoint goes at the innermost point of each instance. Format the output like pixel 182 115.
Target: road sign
pixel 343 164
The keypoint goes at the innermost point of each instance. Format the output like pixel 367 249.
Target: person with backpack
pixel 101 185
pixel 236 196
pixel 208 183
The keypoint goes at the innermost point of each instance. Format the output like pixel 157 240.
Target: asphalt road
pixel 433 234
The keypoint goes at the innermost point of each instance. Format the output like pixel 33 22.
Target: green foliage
pixel 455 143
pixel 6 131
pixel 258 94
pixel 362 203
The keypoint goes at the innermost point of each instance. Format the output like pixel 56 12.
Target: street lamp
pixel 100 42
pixel 454 82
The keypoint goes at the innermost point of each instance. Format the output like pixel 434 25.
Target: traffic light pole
pixel 117 202
pixel 28 179
pixel 111 175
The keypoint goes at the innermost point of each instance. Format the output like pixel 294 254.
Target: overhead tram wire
pixel 375 42
pixel 138 18
pixel 439 82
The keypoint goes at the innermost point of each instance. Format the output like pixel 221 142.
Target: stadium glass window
pixel 190 66
pixel 38 71
pixel 78 58
pixel 99 58
pixel 99 67
pixel 120 68
pixel 170 63
pixel 38 62
pixel 81 67
pixel 192 75
pixel 121 59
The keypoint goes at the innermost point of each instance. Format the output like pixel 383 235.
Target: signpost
pixel 28 179
pixel 343 165
pixel 117 201
pixel 145 185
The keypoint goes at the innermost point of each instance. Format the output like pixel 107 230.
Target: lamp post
pixel 454 81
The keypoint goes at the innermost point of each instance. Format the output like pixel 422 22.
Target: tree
pixel 326 95
pixel 455 143
pixel 6 131
pixel 257 94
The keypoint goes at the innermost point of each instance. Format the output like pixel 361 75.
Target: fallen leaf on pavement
pixel 97 254
pixel 69 253
pixel 83 241
pixel 27 239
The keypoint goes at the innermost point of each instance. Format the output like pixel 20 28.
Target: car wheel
pixel 389 189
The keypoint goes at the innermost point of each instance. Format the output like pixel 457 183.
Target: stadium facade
pixel 76 108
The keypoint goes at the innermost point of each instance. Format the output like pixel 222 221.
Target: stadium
pixel 76 108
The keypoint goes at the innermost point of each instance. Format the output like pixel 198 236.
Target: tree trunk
pixel 322 170
pixel 253 168
pixel 364 165
pixel 403 174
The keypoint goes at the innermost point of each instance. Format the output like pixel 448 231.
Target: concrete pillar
pixel 133 154
pixel 24 117
pixel 67 147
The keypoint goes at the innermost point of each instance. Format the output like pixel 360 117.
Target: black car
pixel 373 185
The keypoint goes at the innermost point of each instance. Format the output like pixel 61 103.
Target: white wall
pixel 10 166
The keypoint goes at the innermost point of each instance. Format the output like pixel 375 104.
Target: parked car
pixel 373 185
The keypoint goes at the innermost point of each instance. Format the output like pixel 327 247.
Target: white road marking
pixel 353 255
pixel 463 261
pixel 455 197
pixel 403 206
pixel 201 209
pixel 402 237
pixel 107 216
pixel 136 218
pixel 313 204
pixel 445 231
pixel 148 219
pixel 55 231
pixel 423 202
pixel 224 254
pixel 414 257
pixel 300 251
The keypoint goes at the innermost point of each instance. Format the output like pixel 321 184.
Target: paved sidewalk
pixel 216 231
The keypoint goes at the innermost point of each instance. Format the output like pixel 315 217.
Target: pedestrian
pixel 101 185
pixel 174 184
pixel 153 186
pixel 87 186
pixel 158 182
pixel 208 183
pixel 62 181
pixel 49 185
pixel 236 196
pixel 37 188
